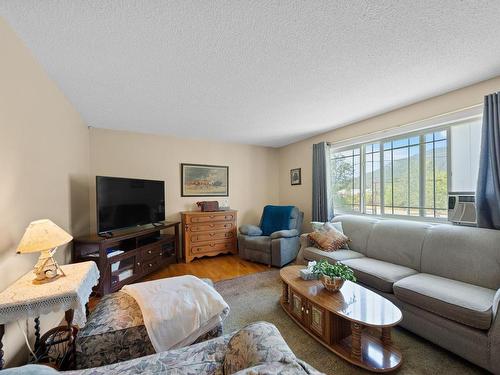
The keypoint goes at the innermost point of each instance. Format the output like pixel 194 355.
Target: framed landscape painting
pixel 199 180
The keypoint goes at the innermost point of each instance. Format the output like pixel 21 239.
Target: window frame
pixel 420 133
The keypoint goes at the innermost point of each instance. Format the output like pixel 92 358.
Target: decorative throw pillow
pixel 255 344
pixel 330 240
pixel 319 226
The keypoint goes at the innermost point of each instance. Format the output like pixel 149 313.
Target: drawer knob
pixel 138 263
pixel 149 251
pixel 212 244
pixel 212 234
pixel 161 254
pixel 302 308
pixel 212 225
pixel 150 265
pixel 212 216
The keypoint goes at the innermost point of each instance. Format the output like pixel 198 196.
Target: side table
pixel 24 300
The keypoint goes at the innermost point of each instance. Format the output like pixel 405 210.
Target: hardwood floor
pixel 221 267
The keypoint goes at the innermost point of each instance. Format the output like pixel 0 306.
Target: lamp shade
pixel 42 235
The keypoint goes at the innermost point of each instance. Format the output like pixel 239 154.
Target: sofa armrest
pixel 304 242
pixel 494 332
pixel 496 303
pixel 285 233
pixel 250 230
pixel 31 370
pixel 254 344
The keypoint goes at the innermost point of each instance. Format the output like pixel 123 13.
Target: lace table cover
pixel 24 300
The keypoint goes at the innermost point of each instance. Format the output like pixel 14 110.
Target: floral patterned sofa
pixel 255 349
pixel 115 332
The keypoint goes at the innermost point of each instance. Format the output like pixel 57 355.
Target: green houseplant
pixel 333 275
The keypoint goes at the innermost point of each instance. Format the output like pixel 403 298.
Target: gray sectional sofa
pixel 444 278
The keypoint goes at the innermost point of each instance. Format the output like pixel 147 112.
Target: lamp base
pixel 47 269
pixel 47 280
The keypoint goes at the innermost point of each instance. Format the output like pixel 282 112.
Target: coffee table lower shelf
pixel 353 342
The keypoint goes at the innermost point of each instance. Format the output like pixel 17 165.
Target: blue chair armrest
pixel 285 233
pixel 250 230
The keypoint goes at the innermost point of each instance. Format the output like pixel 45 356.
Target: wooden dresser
pixel 208 233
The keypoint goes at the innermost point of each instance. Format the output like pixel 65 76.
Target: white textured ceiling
pixel 259 72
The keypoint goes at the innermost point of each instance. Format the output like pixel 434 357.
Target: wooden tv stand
pixel 144 251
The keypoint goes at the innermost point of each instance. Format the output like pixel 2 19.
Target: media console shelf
pixel 128 255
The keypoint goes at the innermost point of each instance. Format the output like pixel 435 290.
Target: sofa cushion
pixel 255 344
pixel 319 226
pixel 378 274
pixel 329 240
pixel 258 243
pixel 471 255
pixel 464 303
pixel 203 358
pixel 398 242
pixel 358 229
pixel 313 253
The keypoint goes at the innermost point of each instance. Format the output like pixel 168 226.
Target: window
pixel 409 175
pixel 347 179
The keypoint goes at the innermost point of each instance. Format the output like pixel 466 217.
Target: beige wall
pixel 44 162
pixel 299 155
pixel 253 177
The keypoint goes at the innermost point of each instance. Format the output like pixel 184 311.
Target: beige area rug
pixel 256 297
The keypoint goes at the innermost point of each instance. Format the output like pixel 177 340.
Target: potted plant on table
pixel 333 275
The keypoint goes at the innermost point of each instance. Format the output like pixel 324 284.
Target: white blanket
pixel 177 310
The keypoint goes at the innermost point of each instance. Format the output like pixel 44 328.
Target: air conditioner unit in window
pixel 462 208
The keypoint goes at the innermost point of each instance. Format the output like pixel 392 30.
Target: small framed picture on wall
pixel 295 176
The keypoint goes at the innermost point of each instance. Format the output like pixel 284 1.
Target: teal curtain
pixel 488 184
pixel 322 208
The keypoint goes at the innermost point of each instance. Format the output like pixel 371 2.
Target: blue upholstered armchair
pixel 276 241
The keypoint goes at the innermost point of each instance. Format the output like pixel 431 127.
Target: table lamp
pixel 44 236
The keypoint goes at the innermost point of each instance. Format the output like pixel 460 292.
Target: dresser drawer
pixel 151 264
pixel 210 227
pixel 211 217
pixel 210 247
pixel 150 253
pixel 210 236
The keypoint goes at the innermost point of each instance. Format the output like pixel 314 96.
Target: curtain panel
pixel 488 184
pixel 322 207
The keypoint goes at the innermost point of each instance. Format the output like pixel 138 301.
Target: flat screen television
pixel 128 202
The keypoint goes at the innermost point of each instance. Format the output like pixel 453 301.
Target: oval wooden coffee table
pixel 354 323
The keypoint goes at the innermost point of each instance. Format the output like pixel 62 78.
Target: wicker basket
pixel 332 284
